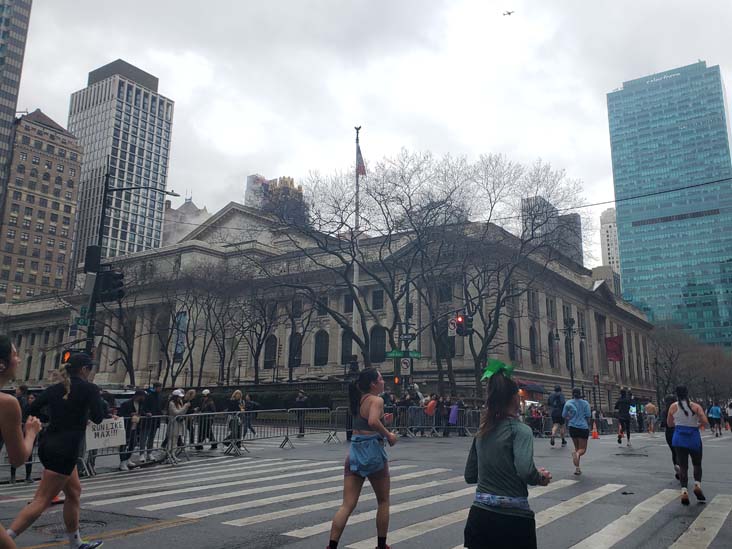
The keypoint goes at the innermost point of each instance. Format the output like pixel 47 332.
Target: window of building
pixel 18 182
pixel 20 168
pixel 377 300
pixel 7 260
pixel 322 342
pixel 551 308
pixel 47 164
pixel 36 160
pixel 270 352
pixel 551 351
pixel 377 348
pixel 23 156
pixel 295 352
pixel 346 347
pixel 12 221
pixel 347 304
pixel 16 289
pixel 60 168
pixel 11 233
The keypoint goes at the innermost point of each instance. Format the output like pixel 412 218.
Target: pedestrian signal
pixel 460 325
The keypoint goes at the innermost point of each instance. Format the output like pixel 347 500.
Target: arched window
pixel 511 340
pixel 20 168
pixel 46 176
pixel 295 358
pixel 270 351
pixel 58 180
pixel 583 355
pixel 322 341
pixel 28 364
pixel 550 351
pixel 346 347
pixel 532 345
pixel 57 361
pixel 377 350
pixel 42 370
pixel 34 172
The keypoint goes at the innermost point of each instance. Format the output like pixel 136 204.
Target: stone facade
pixel 237 235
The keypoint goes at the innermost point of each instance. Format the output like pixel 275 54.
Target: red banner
pixel 614 348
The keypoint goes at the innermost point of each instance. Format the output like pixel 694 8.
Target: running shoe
pixel 700 497
pixel 564 443
pixel 577 471
pixel 620 439
pixel 551 441
pixel 629 445
pixel 685 498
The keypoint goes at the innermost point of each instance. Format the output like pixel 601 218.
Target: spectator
pixel 206 421
pixel 153 409
pixel 301 402
pixel 177 409
pixel 235 407
pixel 250 408
pixel 131 412
pixel 24 399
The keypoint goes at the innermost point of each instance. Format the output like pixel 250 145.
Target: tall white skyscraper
pixel 609 240
pixel 124 126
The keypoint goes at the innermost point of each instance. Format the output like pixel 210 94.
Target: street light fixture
pixel 90 334
pixel 569 332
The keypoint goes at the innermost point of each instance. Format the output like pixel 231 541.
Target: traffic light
pixel 468 325
pixel 396 380
pixel 111 286
pixel 65 356
pixel 460 325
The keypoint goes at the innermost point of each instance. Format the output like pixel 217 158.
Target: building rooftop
pixel 123 68
pixel 38 117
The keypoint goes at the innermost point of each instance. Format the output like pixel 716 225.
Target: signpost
pixel 451 327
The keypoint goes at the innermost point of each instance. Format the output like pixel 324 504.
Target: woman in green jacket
pixel 501 462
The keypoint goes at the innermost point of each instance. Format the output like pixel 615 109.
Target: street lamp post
pixel 569 332
pixel 91 329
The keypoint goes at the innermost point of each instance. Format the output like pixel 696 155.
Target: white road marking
pixel 707 525
pixel 566 507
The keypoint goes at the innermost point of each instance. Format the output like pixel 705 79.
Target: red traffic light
pixel 65 357
pixel 396 380
pixel 459 318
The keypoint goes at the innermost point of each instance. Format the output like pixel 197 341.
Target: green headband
pixel 494 366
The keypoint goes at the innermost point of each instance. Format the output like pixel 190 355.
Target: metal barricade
pixel 419 421
pixel 309 421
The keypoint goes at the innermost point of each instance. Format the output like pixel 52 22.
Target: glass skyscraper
pixel 124 125
pixel 671 131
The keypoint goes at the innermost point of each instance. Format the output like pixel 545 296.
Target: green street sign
pixel 395 353
pixel 83 310
pixel 82 321
pixel 415 354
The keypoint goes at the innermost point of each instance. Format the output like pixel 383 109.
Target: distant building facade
pixel 179 222
pixel 38 211
pixel 609 240
pixel 121 118
pixel 541 220
pixel 279 197
pixel 14 19
pixel 671 131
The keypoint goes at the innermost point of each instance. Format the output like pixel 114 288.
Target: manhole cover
pixel 58 529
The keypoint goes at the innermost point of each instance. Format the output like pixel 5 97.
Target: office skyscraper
pixel 670 132
pixel 541 221
pixel 609 240
pixel 14 17
pixel 124 126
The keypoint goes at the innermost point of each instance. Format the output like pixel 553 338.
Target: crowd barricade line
pixel 311 421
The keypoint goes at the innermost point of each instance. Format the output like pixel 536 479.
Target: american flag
pixel 360 166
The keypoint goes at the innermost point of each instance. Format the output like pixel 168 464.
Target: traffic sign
pixel 79 321
pixel 451 327
pixel 405 362
pixel 415 354
pixel 83 310
pixel 395 353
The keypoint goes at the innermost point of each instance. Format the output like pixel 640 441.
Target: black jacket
pixel 153 404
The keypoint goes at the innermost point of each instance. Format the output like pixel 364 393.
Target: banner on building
pixel 108 434
pixel 614 348
pixel 181 327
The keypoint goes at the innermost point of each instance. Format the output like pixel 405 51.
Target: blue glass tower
pixel 667 131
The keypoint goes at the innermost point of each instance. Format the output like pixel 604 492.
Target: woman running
pixel 17 438
pixel 577 412
pixel 71 404
pixel 367 457
pixel 501 462
pixel 669 431
pixel 685 417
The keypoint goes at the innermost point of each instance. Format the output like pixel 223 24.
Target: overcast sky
pixel 276 87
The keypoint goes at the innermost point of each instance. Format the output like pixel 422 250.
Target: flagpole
pixel 357 229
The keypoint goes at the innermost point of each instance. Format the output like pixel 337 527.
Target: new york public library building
pixel 243 289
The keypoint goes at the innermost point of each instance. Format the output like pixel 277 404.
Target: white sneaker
pixel 123 466
pixel 141 459
pixel 629 445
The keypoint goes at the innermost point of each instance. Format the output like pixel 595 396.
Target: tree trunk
pixel 256 367
pixel 451 378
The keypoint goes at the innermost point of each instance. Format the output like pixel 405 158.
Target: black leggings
pixel 487 529
pixel 682 458
pixel 669 438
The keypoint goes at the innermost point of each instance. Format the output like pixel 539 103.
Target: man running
pixel 715 419
pixel 651 413
pixel 556 403
pixel 623 407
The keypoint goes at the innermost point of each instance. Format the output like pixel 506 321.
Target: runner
pixel 501 462
pixel 367 457
pixel 577 412
pixel 556 403
pixel 715 419
pixel 18 438
pixel 623 407
pixel 686 416
pixel 651 413
pixel 669 430
pixel 71 404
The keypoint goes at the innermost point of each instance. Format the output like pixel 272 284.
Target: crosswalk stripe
pixel 624 526
pixel 274 515
pixel 427 526
pixel 563 509
pixel 190 489
pixel 368 515
pixel 245 470
pixel 707 525
pixel 263 489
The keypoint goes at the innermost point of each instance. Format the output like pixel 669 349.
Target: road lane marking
pixel 707 525
pixel 622 527
pixel 566 507
pixel 265 517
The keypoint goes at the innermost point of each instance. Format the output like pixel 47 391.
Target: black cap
pixel 79 360
pixel 558 388
pixel 576 392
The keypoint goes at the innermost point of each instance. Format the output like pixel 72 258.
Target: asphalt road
pixel 276 497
